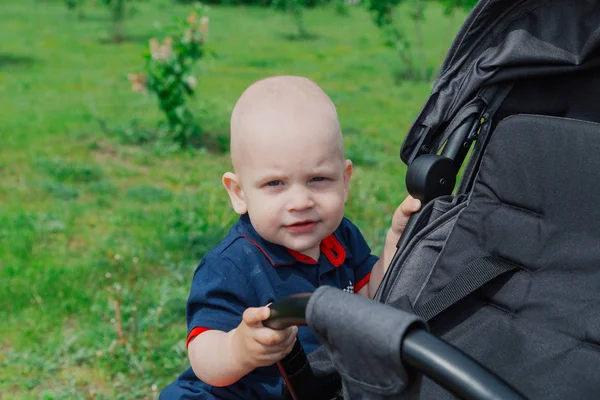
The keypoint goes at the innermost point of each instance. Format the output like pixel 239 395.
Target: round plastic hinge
pixel 430 176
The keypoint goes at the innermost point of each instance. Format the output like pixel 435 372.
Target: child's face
pixel 294 186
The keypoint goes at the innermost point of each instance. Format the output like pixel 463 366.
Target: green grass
pixel 89 225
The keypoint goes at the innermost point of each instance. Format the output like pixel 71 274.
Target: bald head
pixel 283 111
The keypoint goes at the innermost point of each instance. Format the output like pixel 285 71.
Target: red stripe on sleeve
pixel 195 332
pixel 362 283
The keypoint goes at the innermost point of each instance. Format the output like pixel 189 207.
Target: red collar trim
pixel 301 257
pixel 330 247
pixel 263 251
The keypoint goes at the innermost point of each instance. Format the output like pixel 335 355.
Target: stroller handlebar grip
pixel 288 311
pixel 420 350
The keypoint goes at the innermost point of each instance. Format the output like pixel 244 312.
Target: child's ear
pixel 347 176
pixel 236 194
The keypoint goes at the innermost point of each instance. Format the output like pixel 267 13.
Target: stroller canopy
pixel 502 41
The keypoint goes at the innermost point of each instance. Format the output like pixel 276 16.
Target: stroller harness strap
pixel 300 383
pixel 478 273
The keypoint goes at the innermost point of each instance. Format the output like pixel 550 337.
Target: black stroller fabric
pixel 535 203
pixel 528 198
pixel 367 359
pixel 503 41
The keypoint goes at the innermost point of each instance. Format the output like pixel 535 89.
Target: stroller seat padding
pixel 535 203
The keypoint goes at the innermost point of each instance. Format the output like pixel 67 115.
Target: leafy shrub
pixel 169 76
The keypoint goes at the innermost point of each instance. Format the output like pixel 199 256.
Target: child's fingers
pixel 271 337
pixel 410 205
pixel 253 315
pixel 289 345
pixel 271 346
pixel 289 342
pixel 403 213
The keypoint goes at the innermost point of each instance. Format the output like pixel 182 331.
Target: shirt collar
pixel 278 255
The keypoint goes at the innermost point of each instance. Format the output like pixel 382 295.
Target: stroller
pixel 494 291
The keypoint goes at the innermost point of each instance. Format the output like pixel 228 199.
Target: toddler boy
pixel 289 185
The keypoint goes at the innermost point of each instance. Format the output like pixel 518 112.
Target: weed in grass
pixel 104 193
pixel 262 63
pixel 48 224
pixel 149 194
pixel 341 8
pixel 196 242
pixel 11 61
pixel 132 133
pixel 60 190
pixel 361 157
pixel 67 171
pixel 295 37
pixel 138 318
pixel 189 230
pixel 351 131
pixel 212 142
pixel 401 74
pixel 17 235
pixel 102 188
pixel 145 159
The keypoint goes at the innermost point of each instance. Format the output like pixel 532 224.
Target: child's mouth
pixel 300 227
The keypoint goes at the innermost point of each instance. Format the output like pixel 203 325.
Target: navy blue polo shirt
pixel 244 271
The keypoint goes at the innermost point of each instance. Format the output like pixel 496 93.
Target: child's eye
pixel 274 183
pixel 318 179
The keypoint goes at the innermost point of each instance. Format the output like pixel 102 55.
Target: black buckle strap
pixel 300 382
pixel 478 273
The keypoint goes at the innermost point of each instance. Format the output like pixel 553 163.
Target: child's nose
pixel 300 199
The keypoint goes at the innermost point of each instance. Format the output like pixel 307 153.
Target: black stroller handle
pixel 288 311
pixel 445 364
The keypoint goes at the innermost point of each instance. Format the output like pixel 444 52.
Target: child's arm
pixel 222 358
pixel 399 221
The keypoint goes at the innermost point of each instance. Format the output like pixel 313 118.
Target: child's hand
pixel 409 206
pixel 255 345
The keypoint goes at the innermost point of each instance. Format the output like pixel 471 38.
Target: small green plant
pixel 169 76
pixel 149 194
pixel 412 62
pixel 67 171
pixel 188 230
pixel 118 11
pixel 137 321
pixel 296 9
pixel 341 8
pixel 61 191
pixel 75 6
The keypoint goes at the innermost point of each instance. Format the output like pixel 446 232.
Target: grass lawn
pixel 99 239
